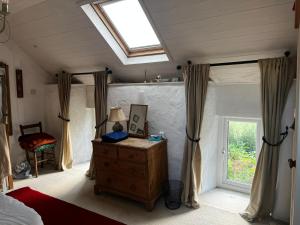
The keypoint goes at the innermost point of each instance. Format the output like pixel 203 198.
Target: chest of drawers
pixel 134 168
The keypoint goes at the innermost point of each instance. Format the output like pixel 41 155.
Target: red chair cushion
pixel 30 142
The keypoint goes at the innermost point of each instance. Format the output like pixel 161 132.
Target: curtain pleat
pixel 4 107
pixel 276 80
pixel 5 163
pixel 100 112
pixel 65 151
pixel 196 83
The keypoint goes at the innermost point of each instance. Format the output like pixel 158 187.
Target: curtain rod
pixel 107 70
pixel 189 62
pixel 87 73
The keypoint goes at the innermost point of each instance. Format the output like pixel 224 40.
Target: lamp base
pixel 117 127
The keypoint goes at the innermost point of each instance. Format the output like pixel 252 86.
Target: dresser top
pixel 133 142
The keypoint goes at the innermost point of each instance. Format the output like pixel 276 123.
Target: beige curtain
pixel 4 108
pixel 276 80
pixel 196 81
pixel 100 112
pixel 5 164
pixel 65 151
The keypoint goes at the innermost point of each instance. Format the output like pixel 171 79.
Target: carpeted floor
pixel 219 207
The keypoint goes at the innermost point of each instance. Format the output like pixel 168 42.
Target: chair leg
pixel 54 161
pixel 36 165
pixel 42 157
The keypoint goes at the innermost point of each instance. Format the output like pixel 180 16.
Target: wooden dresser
pixel 134 168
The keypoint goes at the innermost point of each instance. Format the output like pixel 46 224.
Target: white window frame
pixel 110 39
pixel 224 182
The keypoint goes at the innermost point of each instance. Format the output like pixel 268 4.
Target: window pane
pixel 241 151
pixel 131 22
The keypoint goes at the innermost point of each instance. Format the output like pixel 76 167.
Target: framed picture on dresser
pixel 137 124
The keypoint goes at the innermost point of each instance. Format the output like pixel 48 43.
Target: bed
pixel 14 212
pixel 54 211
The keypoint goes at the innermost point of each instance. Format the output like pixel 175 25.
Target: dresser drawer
pixel 107 180
pixel 106 164
pixel 105 151
pixel 131 154
pixel 136 187
pixel 132 169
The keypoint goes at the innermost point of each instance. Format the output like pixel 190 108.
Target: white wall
pixel 239 100
pixel 29 109
pixel 244 100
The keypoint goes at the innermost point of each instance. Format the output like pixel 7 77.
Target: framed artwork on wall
pixel 19 83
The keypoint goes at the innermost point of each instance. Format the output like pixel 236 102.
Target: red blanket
pixel 54 211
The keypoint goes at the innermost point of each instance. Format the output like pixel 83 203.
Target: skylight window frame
pixel 129 52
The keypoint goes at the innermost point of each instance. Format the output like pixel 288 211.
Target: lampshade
pixel 116 114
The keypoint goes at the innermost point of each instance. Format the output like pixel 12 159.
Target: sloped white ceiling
pixel 58 35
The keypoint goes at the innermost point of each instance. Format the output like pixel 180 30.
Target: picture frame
pixel 137 124
pixel 19 83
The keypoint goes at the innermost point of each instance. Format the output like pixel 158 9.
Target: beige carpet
pixel 219 207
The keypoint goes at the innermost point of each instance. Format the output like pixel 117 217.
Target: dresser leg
pixel 96 189
pixel 150 205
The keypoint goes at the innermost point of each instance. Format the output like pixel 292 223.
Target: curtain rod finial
pixel 179 67
pixel 287 53
pixel 189 62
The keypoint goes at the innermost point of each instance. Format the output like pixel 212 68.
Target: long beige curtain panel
pixel 196 82
pixel 65 151
pixel 5 164
pixel 4 108
pixel 276 79
pixel 100 112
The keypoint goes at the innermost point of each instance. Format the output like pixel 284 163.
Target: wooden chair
pixel 40 144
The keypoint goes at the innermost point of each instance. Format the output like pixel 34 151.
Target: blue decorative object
pixel 154 138
pixel 115 136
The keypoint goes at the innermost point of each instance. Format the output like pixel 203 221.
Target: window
pixel 126 22
pixel 241 146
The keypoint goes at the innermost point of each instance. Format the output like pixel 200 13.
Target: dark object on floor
pixel 22 170
pixel 54 211
pixel 172 194
pixel 115 136
pixel 39 144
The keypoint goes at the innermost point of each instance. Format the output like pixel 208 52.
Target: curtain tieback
pixel 189 137
pixel 63 118
pixel 283 134
pixel 102 123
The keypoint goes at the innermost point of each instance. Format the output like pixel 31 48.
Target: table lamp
pixel 117 115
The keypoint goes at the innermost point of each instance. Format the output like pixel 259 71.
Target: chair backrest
pixel 30 126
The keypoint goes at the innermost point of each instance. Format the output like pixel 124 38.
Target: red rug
pixel 54 211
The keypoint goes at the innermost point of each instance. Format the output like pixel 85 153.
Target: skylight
pixel 131 22
pixel 127 30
